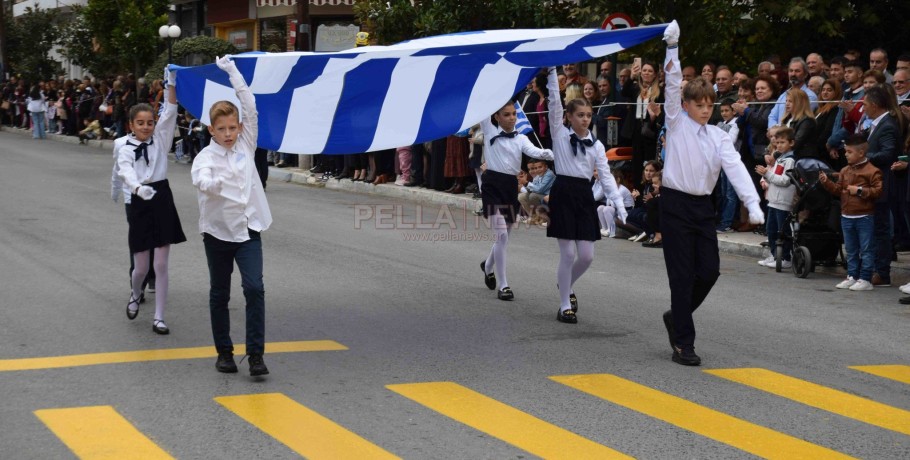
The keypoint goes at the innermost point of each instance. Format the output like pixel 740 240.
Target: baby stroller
pixel 814 222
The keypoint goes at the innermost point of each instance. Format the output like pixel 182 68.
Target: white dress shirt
pixel 136 172
pixel 241 203
pixel 581 165
pixel 117 185
pixel 695 152
pixel 504 156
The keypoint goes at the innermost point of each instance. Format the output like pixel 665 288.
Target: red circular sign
pixel 617 21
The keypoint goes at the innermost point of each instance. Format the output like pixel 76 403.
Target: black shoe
pixel 671 332
pixel 685 357
pixel 318 169
pixel 505 294
pixel 226 363
pixel 257 365
pixel 904 300
pixel 489 280
pixel 142 298
pixel 159 327
pixel 132 314
pixel 567 316
pixel 653 244
pixel 573 301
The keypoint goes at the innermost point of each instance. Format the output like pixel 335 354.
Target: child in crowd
pixel 859 184
pixel 532 195
pixel 573 216
pixel 695 155
pixel 92 130
pixel 780 194
pixel 653 213
pixel 503 147
pixel 233 211
pixel 606 212
pixel 729 202
pixel 153 221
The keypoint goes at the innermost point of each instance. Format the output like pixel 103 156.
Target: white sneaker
pixel 604 233
pixel 786 264
pixel 905 288
pixel 861 285
pixel 845 284
pixel 767 261
pixel 640 237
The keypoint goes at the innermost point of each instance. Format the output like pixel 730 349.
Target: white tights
pixel 571 267
pixel 498 258
pixel 141 264
pixel 607 216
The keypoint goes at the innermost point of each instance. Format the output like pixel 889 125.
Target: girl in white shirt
pixel 154 223
pixel 573 215
pixel 232 213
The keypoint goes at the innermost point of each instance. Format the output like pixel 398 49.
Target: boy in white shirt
pixel 232 213
pixel 696 152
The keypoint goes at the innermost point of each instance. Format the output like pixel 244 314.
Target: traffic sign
pixel 617 21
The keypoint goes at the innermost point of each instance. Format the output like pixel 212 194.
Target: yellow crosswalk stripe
pixel 752 438
pixel 824 398
pixel 300 428
pixel 167 354
pixel 503 422
pixel 897 372
pixel 99 432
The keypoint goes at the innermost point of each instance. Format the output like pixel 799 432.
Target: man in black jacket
pixel 884 136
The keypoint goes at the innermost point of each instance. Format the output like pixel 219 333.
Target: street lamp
pixel 169 33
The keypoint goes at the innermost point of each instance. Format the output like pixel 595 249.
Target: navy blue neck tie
pixel 503 134
pixel 142 151
pixel 576 141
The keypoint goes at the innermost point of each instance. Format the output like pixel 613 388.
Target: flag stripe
pixel 353 130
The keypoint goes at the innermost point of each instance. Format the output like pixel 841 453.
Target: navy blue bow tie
pixel 503 134
pixel 142 151
pixel 584 143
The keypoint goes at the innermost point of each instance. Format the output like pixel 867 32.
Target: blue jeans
pixel 729 202
pixel 775 225
pixel 860 246
pixel 221 256
pixel 38 125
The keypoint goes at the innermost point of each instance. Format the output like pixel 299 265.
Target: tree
pixel 30 38
pixel 207 48
pixel 124 33
pixel 77 43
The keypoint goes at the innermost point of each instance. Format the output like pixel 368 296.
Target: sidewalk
pixel 743 244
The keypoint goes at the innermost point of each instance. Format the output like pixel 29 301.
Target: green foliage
pixel 125 32
pixel 30 39
pixel 207 47
pixel 78 45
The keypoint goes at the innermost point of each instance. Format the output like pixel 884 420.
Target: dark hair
pixel 838 60
pixel 541 81
pixel 727 102
pixel 904 58
pixel 772 83
pixel 878 96
pixel 855 140
pixel 139 108
pixel 854 63
pixel 748 84
pixel 576 104
pixel 786 133
pixel 35 93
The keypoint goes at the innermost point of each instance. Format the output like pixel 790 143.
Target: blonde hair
pixel 223 109
pixel 574 91
pixel 800 106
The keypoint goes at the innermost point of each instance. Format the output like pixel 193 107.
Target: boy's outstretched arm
pixel 250 132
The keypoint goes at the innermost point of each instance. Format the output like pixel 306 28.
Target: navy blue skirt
pixel 154 223
pixel 499 192
pixel 573 213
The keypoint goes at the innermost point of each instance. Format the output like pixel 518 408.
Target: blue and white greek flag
pixel 522 124
pixel 380 97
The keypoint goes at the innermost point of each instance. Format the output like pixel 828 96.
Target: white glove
pixel 170 77
pixel 145 192
pixel 226 64
pixel 671 34
pixel 211 186
pixel 621 212
pixel 756 217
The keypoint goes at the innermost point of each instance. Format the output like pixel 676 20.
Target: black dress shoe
pixel 132 314
pixel 226 363
pixel 505 294
pixel 567 316
pixel 257 365
pixel 685 357
pixel 573 301
pixel 671 333
pixel 904 300
pixel 653 244
pixel 159 327
pixel 488 279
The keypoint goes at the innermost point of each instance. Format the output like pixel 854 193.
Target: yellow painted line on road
pixel 824 398
pixel 166 354
pixel 301 429
pixel 503 422
pixel 735 432
pixel 898 372
pixel 99 432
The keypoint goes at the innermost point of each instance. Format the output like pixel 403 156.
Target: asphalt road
pixel 346 268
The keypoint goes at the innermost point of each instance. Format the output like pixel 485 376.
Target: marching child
pixel 573 215
pixel 780 196
pixel 153 221
pixel 859 185
pixel 502 150
pixel 696 152
pixel 233 212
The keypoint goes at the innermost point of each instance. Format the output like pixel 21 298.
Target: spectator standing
pixel 878 60
pixel 37 107
pixel 798 73
pixel 781 192
pixel 799 116
pixel 642 121
pixel 825 117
